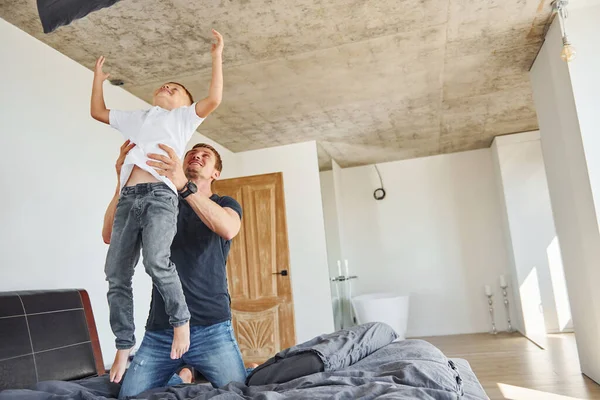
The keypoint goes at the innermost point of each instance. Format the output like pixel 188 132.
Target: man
pixel 205 226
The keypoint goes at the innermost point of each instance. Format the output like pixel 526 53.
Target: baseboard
pixel 413 336
pixel 556 331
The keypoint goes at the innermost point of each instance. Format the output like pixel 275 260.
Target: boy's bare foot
pixel 181 341
pixel 119 365
pixel 253 365
pixel 186 375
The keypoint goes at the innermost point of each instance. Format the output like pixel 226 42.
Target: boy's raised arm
pixel 215 93
pixel 98 107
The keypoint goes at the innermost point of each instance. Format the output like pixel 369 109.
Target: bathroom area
pixel 349 310
pixel 413 243
pixel 352 301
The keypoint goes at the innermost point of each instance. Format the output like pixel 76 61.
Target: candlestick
pixel 504 286
pixel 503 281
pixel 488 290
pixel 506 305
pixel 491 309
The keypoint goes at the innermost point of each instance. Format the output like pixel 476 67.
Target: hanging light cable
pixel 568 52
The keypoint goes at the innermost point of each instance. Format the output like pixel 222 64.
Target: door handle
pixel 282 273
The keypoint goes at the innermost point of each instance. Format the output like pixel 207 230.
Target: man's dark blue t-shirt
pixel 199 255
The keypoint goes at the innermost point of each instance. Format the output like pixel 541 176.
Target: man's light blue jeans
pixel 214 352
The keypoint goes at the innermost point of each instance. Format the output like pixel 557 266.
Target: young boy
pixel 146 214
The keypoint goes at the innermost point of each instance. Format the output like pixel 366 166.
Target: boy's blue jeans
pixel 146 218
pixel 214 352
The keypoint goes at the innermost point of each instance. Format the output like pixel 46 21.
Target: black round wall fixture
pixel 379 194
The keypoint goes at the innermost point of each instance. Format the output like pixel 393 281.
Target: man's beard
pixel 191 174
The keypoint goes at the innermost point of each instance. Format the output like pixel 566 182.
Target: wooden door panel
pixel 257 333
pixel 261 225
pixel 261 300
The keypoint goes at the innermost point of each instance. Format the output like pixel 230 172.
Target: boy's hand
pixel 98 73
pixel 215 93
pixel 217 48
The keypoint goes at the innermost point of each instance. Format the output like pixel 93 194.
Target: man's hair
pixel 186 91
pixel 218 161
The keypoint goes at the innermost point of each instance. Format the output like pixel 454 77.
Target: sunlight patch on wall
pixel 559 285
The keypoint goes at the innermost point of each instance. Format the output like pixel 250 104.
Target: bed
pixel 49 351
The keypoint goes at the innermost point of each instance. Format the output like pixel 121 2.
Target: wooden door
pixel 258 268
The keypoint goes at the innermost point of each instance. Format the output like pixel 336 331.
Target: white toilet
pixel 390 308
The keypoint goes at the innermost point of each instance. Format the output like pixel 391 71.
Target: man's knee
pixel 236 374
pixel 228 368
pixel 151 366
pixel 143 375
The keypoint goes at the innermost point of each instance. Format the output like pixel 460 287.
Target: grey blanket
pixel 410 369
pixel 326 353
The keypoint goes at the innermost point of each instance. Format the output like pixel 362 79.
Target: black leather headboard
pixel 47 335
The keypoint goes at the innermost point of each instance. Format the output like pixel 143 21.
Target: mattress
pixel 471 385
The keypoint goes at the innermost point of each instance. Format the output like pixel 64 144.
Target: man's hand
pixel 169 166
pixel 109 215
pixel 217 48
pixel 99 75
pixel 125 147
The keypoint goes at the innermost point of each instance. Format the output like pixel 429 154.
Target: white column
pixel 537 269
pixel 567 100
pixel 331 183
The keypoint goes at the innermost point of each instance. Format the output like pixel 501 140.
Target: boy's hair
pixel 186 91
pixel 218 161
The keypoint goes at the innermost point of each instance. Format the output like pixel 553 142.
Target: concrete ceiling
pixel 371 81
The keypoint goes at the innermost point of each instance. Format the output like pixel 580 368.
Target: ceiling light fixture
pixel 560 7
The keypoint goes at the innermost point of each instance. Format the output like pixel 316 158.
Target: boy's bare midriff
pixel 138 175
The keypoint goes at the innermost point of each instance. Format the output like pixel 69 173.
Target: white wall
pixel 58 177
pixel 337 190
pixel 306 232
pixel 584 31
pixel 568 125
pixel 331 182
pixel 332 236
pixel 517 316
pixel 520 169
pixel 331 221
pixel 437 236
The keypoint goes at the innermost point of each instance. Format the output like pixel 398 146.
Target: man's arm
pixel 215 94
pixel 109 215
pixel 98 107
pixel 223 221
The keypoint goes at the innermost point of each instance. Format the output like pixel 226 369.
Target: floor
pixel 511 367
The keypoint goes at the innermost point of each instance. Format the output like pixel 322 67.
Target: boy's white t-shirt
pixel 149 128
